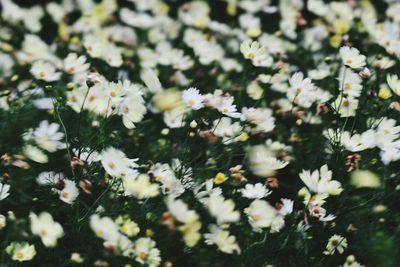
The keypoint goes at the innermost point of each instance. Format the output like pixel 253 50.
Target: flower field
pixel 199 133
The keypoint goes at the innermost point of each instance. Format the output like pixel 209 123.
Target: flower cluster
pixel 200 133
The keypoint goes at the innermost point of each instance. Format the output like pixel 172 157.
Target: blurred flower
pixel 364 178
pixel 352 58
pixel 43 70
pixel 46 228
pixel 21 251
pixel 224 241
pixel 336 243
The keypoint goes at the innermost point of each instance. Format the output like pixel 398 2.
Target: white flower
pixel 387 132
pixel 140 187
pixel 192 98
pixel 261 214
pixel 202 195
pixel 146 252
pixel 132 107
pixel 302 90
pixel 257 190
pixel 287 206
pixel 35 154
pixel 350 83
pixel 336 243
pixel 43 70
pixel 46 228
pixel 390 152
pixel 227 108
pixel 48 137
pixel 352 143
pixel 321 182
pixel 352 58
pixel 21 251
pixel 170 184
pixel 394 83
pixel 261 118
pixel 346 106
pixel 104 228
pixel 150 79
pixel 115 162
pixel 223 210
pixel 4 188
pixel 190 219
pixel 49 178
pixel 180 210
pixel 70 192
pixel 262 161
pixel 74 64
pixel 226 243
pixel 226 129
pixel 255 52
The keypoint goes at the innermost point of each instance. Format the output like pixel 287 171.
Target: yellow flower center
pixel 251 55
pixel 143 255
pixel 43 232
pixel 100 232
pixel 65 194
pixel 256 217
pixel 190 102
pixel 111 165
pixel 20 255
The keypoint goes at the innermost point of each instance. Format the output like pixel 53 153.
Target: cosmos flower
pixel 46 228
pixel 43 70
pixel 352 58
pixel 192 98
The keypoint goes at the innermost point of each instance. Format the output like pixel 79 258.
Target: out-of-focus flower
pixel 352 58
pixel 21 251
pixel 46 228
pixel 43 70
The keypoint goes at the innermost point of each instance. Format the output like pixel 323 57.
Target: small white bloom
pixel 352 58
pixel 21 251
pixel 320 181
pixel 146 252
pixel 74 64
pixel 394 83
pixel 104 228
pixel 48 137
pixel 346 106
pixel 43 70
pixel 193 99
pixel 336 243
pixel 223 210
pixel 49 178
pixel 302 90
pixel 46 228
pixel 261 214
pixel 115 162
pixel 225 242
pixel 257 190
pixel 140 187
pixel 70 192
